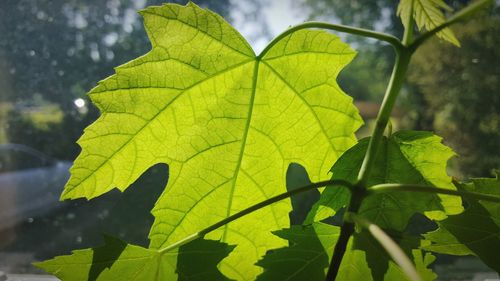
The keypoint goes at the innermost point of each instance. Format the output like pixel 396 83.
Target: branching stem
pixel 403 56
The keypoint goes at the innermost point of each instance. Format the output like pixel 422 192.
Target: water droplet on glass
pixel 79 102
pixel 41 15
pixel 70 52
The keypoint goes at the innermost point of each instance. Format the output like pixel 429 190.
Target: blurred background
pixel 53 51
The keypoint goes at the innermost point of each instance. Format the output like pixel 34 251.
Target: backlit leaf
pixel 228 124
pixel 427 14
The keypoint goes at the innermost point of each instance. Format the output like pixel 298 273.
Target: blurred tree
pixel 456 89
pixel 58 49
pixel 61 48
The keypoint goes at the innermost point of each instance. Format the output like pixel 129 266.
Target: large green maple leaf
pixel 311 248
pixel 409 157
pixel 227 122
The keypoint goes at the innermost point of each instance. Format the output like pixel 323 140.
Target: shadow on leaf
pixel 104 257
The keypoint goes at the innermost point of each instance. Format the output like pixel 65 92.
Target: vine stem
pixel 394 41
pixel 358 193
pixel 408 34
pixel 254 208
pixel 403 56
pixel 395 83
pixel 346 232
pixel 391 187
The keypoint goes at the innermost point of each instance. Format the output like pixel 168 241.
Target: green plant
pixel 229 122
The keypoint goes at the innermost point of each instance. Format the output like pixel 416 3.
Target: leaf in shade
pixel 306 257
pixel 476 231
pixel 311 248
pixel 409 157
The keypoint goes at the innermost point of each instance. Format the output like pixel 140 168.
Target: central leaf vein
pixel 243 143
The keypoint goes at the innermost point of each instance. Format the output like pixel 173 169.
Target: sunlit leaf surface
pixel 427 14
pixel 228 124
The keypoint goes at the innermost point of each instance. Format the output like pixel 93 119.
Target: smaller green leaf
pixel 117 260
pixel 311 248
pixel 408 157
pixel 428 15
pixel 475 231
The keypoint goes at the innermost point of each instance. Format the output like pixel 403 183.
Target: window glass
pixel 54 51
pixel 14 158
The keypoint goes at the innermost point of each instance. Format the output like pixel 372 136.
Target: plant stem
pixel 337 27
pixel 252 209
pixel 403 56
pixel 346 231
pixel 395 83
pixel 358 193
pixel 408 34
pixel 390 187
